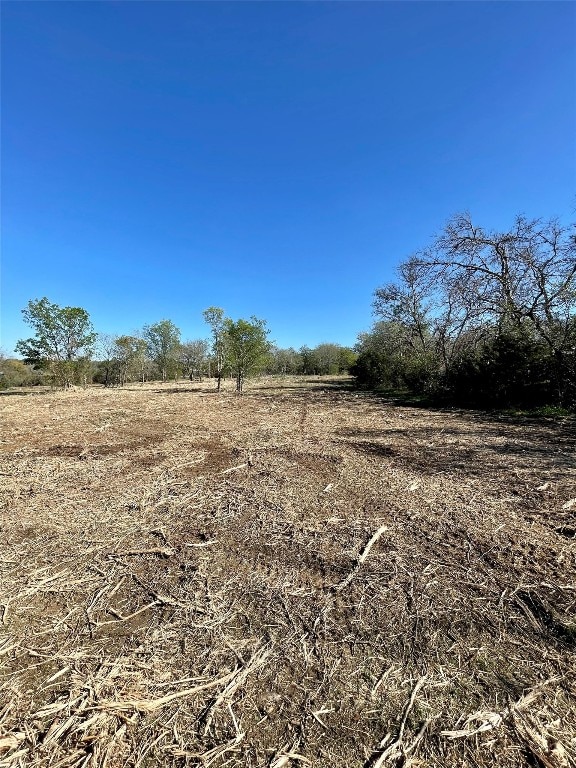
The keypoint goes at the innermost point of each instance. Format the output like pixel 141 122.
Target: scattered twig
pixel 239 679
pixel 160 551
pixel 151 705
pixel 389 751
pixel 362 557
pixel 233 469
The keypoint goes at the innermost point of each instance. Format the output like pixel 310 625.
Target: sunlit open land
pixel 297 576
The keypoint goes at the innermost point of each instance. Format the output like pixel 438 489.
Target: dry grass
pixel 299 576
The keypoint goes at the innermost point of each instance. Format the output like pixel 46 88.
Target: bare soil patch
pixel 298 576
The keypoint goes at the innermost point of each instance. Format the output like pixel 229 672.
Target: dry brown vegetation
pixel 298 576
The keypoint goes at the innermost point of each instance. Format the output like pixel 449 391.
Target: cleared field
pixel 298 576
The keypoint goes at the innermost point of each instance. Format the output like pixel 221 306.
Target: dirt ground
pixel 300 576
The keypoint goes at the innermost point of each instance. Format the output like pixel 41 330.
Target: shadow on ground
pixel 481 448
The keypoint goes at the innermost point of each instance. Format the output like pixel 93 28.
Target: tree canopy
pixel 247 345
pixel 163 344
pixel 62 343
pixel 481 315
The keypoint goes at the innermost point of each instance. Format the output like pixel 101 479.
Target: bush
pixel 509 370
pixel 372 370
pixel 15 373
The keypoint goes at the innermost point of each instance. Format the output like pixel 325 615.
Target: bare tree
pixel 105 350
pixel 474 284
pixel 527 273
pixel 409 301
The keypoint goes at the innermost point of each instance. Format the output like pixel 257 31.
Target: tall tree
pixel 214 317
pixel 63 341
pixel 525 275
pixel 346 359
pixel 163 342
pixel 248 347
pixel 408 301
pixel 477 295
pixel 520 282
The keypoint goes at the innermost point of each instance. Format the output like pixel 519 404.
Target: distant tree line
pixel 238 349
pixel 481 318
pixel 65 350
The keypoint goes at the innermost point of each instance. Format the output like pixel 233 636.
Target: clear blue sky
pixel 271 158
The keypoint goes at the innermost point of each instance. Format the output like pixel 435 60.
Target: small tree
pixel 309 362
pixel 107 372
pixel 346 360
pixel 163 342
pixel 214 317
pixel 193 356
pixel 130 355
pixel 248 347
pixel 284 361
pixel 63 341
pixel 328 358
pixel 371 370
